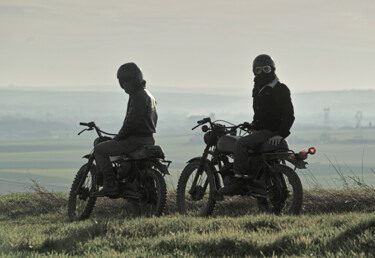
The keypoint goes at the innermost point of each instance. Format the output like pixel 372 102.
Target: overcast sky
pixel 205 45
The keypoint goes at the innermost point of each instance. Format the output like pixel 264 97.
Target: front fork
pixel 90 161
pixel 202 164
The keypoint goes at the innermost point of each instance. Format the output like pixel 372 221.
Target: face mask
pixel 264 78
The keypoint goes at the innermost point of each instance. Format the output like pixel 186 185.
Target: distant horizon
pixel 110 89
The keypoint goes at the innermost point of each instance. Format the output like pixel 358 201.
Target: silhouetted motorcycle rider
pixel 273 118
pixel 137 129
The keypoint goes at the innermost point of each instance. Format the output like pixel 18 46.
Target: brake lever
pixel 195 127
pixel 87 129
pixel 82 131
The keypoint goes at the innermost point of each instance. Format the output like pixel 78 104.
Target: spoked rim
pixel 286 193
pixel 194 193
pixel 83 195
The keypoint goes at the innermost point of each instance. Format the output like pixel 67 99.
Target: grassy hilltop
pixel 334 223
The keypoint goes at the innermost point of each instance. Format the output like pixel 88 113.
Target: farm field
pixel 54 162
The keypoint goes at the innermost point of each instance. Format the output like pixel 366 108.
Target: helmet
pixel 263 60
pixel 130 72
pixel 130 77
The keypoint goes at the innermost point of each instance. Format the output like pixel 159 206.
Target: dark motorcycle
pixel 275 185
pixel 140 178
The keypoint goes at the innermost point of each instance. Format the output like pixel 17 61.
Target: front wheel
pixel 195 191
pixel 286 193
pixel 153 190
pixel 80 203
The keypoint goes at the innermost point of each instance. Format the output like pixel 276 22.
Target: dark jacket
pixel 273 108
pixel 141 116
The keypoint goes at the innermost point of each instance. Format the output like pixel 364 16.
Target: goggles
pixel 260 69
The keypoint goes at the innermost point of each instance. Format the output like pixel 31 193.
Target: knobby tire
pixel 75 196
pixel 142 209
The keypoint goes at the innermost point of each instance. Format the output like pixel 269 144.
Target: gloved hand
pixel 275 140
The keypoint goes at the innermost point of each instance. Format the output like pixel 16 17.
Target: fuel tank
pixel 227 143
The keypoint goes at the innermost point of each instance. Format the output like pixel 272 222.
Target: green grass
pixel 333 224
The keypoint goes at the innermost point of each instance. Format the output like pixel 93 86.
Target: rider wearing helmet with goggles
pixel 272 120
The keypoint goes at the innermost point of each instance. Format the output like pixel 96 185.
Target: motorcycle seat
pixel 116 158
pixel 148 151
pixel 227 144
pixel 266 147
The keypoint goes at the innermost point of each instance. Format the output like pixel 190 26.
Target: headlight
pixel 207 137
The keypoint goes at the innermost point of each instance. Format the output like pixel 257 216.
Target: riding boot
pixel 232 186
pixel 131 189
pixel 99 177
pixel 110 186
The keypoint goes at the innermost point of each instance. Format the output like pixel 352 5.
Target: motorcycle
pixel 140 177
pixel 275 185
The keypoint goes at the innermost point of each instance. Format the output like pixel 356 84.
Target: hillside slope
pixel 333 223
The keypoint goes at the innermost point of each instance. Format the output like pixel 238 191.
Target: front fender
pixel 90 157
pixel 208 163
pixel 212 168
pixel 87 156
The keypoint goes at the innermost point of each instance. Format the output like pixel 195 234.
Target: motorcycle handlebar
pixel 201 122
pixel 243 126
pixel 90 124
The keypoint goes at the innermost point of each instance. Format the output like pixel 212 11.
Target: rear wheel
pixel 153 190
pixel 195 192
pixel 286 193
pixel 80 203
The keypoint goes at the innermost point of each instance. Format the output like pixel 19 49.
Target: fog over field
pixel 57 114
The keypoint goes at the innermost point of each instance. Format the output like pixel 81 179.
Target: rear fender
pixel 160 166
pixel 299 163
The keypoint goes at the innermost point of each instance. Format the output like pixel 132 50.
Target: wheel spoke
pixel 194 195
pixel 287 193
pixel 80 204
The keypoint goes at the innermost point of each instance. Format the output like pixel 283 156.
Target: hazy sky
pixel 200 45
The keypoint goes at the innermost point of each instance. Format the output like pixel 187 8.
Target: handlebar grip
pixel 204 120
pixel 91 124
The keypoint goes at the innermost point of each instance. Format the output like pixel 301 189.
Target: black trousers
pixel 248 142
pixel 103 150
